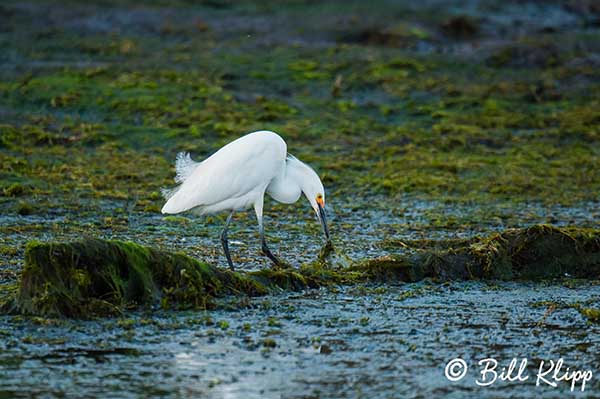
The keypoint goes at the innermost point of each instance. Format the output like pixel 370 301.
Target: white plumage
pixel 230 179
pixel 184 166
pixel 237 177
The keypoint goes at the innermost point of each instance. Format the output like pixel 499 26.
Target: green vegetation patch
pixel 537 252
pixel 96 277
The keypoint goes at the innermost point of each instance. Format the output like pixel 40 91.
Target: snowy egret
pixel 238 176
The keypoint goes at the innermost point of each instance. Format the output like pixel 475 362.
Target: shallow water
pixel 359 229
pixel 367 341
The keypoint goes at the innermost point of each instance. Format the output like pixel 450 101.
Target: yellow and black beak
pixel 322 217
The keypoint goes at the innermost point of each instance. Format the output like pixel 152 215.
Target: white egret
pixel 238 175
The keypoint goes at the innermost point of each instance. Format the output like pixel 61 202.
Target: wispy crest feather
pixel 184 166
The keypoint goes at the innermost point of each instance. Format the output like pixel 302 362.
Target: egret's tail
pixel 184 166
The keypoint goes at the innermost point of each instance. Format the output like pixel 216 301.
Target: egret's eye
pixel 320 200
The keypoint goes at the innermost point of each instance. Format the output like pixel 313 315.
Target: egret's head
pixel 313 189
pixel 320 210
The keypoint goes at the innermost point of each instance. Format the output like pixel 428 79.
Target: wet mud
pixel 361 341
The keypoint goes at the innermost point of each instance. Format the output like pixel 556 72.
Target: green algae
pixel 392 268
pixel 537 252
pixel 8 293
pixel 15 190
pixel 446 127
pixel 592 314
pixel 284 279
pixel 95 277
pixel 24 208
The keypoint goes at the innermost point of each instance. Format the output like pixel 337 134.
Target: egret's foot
pixel 267 252
pixel 281 265
pixel 276 262
pixel 229 262
pixel 273 258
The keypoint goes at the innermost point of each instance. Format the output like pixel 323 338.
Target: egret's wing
pixel 231 172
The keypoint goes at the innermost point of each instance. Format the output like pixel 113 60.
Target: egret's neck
pixel 287 187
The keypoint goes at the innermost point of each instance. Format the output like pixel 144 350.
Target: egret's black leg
pixel 225 242
pixel 266 249
pixel 258 208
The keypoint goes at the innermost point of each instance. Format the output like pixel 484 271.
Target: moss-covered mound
pixel 93 277
pixel 537 252
pixel 96 277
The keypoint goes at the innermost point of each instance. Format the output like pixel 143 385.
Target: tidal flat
pixel 430 123
pixel 372 341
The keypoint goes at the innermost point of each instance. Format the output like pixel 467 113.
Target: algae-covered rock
pixel 97 277
pixel 391 268
pixel 285 279
pixel 537 252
